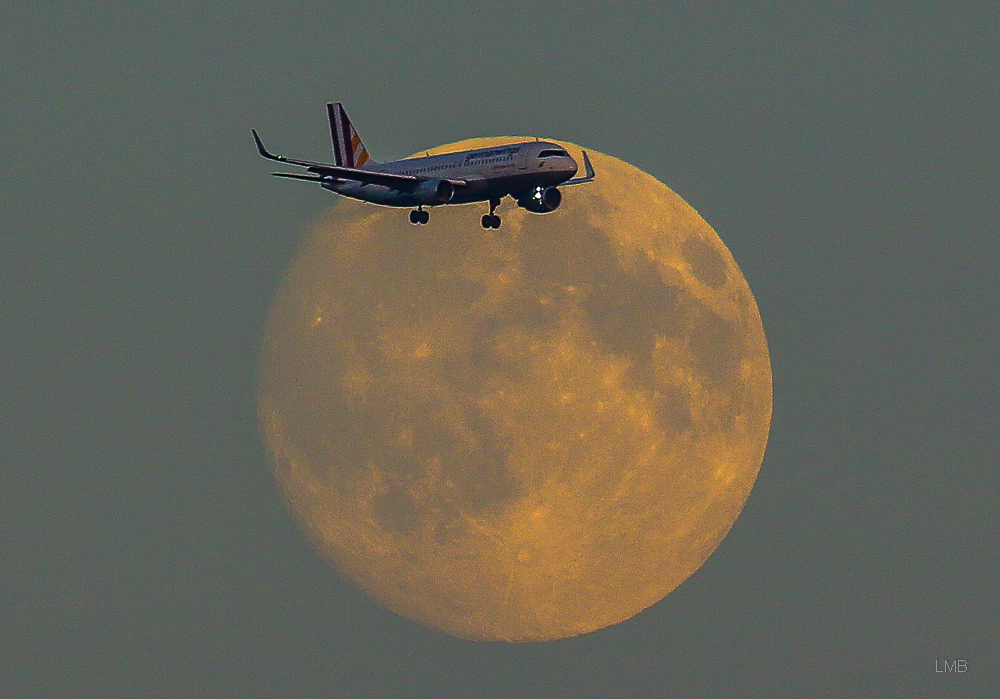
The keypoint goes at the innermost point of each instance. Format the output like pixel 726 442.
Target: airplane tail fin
pixel 348 150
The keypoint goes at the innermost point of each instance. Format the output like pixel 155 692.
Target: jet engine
pixel 433 192
pixel 541 200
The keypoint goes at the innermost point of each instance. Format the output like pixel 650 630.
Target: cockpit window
pixel 550 153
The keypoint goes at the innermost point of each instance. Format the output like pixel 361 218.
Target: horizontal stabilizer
pixel 291 176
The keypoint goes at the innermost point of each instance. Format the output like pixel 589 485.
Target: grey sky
pixel 846 153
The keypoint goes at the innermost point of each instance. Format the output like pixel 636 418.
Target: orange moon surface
pixel 519 434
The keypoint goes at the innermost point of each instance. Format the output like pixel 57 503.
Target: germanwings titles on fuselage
pixel 530 172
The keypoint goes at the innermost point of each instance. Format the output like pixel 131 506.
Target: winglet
pixel 262 150
pixel 589 169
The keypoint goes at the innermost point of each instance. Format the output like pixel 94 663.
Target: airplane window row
pixel 475 162
pixel 425 169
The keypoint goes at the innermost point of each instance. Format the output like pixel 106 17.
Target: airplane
pixel 528 171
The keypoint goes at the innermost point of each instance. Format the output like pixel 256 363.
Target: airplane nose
pixel 573 163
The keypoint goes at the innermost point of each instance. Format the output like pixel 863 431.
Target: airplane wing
pixel 324 170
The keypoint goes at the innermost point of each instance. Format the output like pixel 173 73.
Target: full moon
pixel 519 434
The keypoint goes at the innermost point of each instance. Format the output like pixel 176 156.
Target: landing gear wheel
pixel 491 220
pixel 415 217
pixel 423 217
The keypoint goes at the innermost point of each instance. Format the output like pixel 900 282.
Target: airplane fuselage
pixel 491 173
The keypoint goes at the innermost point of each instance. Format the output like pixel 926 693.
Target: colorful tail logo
pixel 348 150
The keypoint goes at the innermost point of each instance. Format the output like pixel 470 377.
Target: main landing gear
pixel 418 216
pixel 491 220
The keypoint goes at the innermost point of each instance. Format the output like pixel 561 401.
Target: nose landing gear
pixel 419 216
